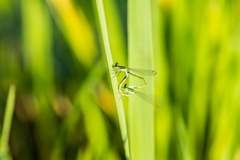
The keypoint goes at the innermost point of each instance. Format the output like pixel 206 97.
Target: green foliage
pixel 67 104
pixel 4 138
pixel 141 114
pixel 4 156
pixel 117 96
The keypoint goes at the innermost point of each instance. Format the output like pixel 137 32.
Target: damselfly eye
pixel 116 65
pixel 125 86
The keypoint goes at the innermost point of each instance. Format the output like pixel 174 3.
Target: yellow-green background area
pixel 53 52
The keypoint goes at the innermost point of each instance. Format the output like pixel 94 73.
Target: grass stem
pixel 7 119
pixel 119 104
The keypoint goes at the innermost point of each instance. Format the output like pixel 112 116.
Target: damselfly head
pixel 125 86
pixel 116 64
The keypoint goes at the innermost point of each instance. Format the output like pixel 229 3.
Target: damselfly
pixel 152 99
pixel 117 69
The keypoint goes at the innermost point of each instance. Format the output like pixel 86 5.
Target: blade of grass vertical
pixel 115 31
pixel 38 61
pixel 141 114
pixel 163 117
pixel 8 119
pixel 119 105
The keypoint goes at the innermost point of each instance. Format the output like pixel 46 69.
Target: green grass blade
pixel 8 119
pixel 4 156
pixel 38 61
pixel 119 105
pixel 115 31
pixel 141 114
pixel 163 116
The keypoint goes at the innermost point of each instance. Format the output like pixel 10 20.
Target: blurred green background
pixel 52 50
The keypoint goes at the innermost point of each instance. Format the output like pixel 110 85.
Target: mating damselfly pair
pixel 127 91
